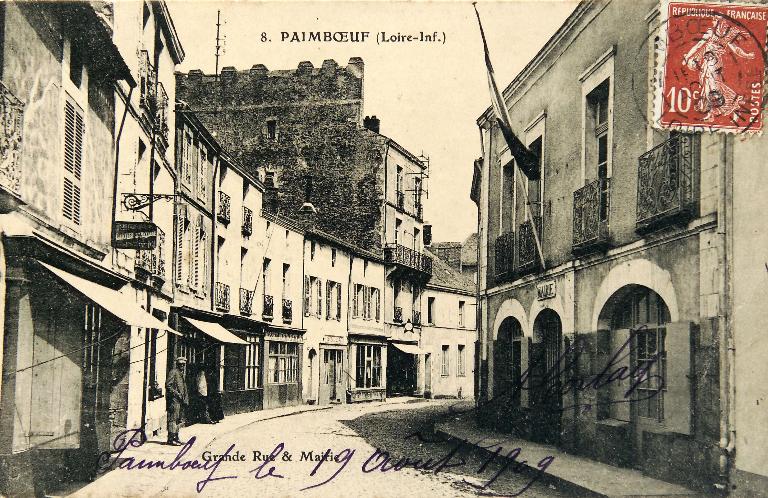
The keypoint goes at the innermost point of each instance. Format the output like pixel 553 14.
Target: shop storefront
pixel 368 359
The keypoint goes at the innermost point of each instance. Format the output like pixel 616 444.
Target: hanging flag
pixel 526 160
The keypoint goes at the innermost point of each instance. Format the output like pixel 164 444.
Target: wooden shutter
pixel 338 302
pixel 195 276
pixel 307 296
pixel 74 135
pixel 355 304
pixel 319 311
pixel 678 401
pixel 328 292
pixel 180 220
pixel 378 305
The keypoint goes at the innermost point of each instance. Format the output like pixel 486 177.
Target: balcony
pixel 222 297
pixel 416 318
pixel 400 200
pixel 408 258
pixel 151 262
pixel 247 221
pixel 528 260
pixel 419 211
pixel 505 257
pixel 269 307
pixel 10 150
pixel 397 316
pixel 161 114
pixel 147 77
pixel 246 301
pixel 223 213
pixel 591 210
pixel 287 310
pixel 665 184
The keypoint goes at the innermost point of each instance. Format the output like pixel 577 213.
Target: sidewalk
pixel 583 475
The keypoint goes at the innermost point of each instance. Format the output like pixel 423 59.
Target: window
pixel 444 362
pixel 198 253
pixel 398 227
pixel 338 302
pixel 365 267
pixel 416 236
pixel 598 150
pixel 376 303
pixel 461 313
pixel 283 363
pixel 332 300
pixel 243 254
pixel 507 197
pixel 333 257
pixel 431 310
pixel 534 186
pixel 74 148
pixel 272 129
pixel 319 298
pixel 312 249
pixel 286 280
pixel 357 300
pixel 76 62
pixel 399 185
pixel 368 366
pixel 235 367
pixel 202 173
pixel 187 152
pixel 252 367
pixel 267 288
pixel 367 303
pixel 460 362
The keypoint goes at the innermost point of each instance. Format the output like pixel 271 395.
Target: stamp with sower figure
pixel 711 73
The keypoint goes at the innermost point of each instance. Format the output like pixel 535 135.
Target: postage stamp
pixel 711 70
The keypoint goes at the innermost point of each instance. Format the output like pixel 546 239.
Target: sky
pixel 428 95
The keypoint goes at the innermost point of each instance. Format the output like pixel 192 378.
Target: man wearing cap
pixel 176 396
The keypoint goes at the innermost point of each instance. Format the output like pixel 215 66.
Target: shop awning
pixel 215 331
pixel 111 300
pixel 408 348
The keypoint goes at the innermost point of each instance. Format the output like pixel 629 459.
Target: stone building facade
pixel 633 224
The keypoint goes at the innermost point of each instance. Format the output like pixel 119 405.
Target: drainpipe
pixel 726 350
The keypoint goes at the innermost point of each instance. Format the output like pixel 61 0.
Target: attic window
pixel 271 129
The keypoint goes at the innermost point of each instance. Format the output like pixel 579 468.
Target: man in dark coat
pixel 176 397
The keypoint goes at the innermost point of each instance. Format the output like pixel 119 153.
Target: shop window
pixel 368 366
pixel 283 363
pixel 252 363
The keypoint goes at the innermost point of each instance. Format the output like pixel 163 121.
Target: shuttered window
pixel 319 310
pixel 308 282
pixel 180 228
pixel 338 302
pixel 74 136
pixel 328 295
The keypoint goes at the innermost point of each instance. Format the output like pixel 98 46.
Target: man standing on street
pixel 176 397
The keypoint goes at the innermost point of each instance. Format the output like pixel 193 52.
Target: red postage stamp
pixel 711 72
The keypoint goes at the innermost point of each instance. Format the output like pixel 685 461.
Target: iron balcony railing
pixel 591 212
pixel 246 301
pixel 222 296
pixel 223 214
pixel 151 262
pixel 416 318
pixel 269 307
pixel 405 256
pixel 11 142
pixel 147 77
pixel 419 210
pixel 247 221
pixel 665 183
pixel 505 256
pixel 161 113
pixel 287 310
pixel 397 316
pixel 527 253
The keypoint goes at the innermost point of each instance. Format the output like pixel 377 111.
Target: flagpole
pixel 505 117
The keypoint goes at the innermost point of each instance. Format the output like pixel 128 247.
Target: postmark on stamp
pixel 711 69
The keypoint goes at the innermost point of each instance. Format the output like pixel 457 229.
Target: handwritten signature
pixel 559 378
pixel 334 461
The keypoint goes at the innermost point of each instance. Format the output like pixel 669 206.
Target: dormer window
pixel 272 129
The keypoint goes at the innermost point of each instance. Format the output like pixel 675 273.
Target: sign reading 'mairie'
pixel 545 290
pixel 134 235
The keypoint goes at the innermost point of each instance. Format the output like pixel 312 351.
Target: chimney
pixel 372 123
pixel 228 74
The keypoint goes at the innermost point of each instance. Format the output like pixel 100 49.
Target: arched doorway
pixel 633 335
pixel 544 380
pixel 507 361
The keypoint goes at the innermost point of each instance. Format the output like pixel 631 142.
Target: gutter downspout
pixel 725 336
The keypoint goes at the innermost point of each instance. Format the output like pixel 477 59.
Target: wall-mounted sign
pixel 134 235
pixel 545 290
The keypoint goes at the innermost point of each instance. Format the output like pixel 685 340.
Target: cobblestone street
pixel 352 433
